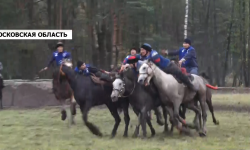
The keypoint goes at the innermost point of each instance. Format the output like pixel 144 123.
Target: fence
pixel 38 93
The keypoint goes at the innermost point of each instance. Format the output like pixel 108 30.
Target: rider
pixel 58 55
pixel 187 57
pixel 163 63
pixel 86 70
pixel 133 52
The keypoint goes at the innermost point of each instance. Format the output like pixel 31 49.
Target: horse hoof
pixel 202 134
pixel 134 136
pixel 152 132
pixel 217 122
pixel 160 122
pixel 125 135
pixel 64 115
pixel 99 134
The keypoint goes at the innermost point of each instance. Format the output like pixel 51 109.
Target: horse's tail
pixel 212 87
pixel 204 75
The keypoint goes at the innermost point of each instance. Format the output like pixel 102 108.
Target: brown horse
pixel 63 92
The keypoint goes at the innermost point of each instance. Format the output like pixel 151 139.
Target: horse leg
pixel 182 111
pixel 211 109
pixel 177 118
pixel 143 121
pixel 125 106
pixel 137 128
pixel 63 111
pixel 72 109
pixel 165 119
pixel 73 112
pixel 114 113
pixel 150 126
pixel 204 115
pixel 85 110
pixel 158 116
pixel 197 111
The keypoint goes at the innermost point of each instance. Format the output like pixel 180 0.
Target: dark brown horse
pixel 63 92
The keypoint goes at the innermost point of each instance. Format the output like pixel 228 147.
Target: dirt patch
pixel 28 96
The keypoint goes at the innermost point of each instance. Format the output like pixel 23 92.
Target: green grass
pixel 42 129
pixel 239 100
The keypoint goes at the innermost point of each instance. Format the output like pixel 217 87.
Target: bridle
pixel 123 88
pixel 63 74
pixel 60 68
pixel 150 66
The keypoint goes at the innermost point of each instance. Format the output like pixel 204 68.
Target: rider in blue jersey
pixel 163 63
pixel 187 57
pixel 58 55
pixel 86 69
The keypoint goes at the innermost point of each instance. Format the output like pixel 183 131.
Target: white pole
pixel 186 20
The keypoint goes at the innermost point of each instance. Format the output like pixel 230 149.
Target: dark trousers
pixel 174 70
pixel 103 76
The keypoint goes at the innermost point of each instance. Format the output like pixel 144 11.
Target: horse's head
pixel 65 70
pixel 118 89
pixel 126 67
pixel 146 72
pixel 67 62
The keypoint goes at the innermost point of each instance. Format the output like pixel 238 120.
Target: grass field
pixel 42 129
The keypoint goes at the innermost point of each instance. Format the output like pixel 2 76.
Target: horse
pixel 63 92
pixel 1 91
pixel 208 101
pixel 208 95
pixel 89 93
pixel 141 99
pixel 173 94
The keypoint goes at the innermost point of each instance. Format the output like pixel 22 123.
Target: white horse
pixel 173 94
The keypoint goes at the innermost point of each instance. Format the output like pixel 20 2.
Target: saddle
pixel 184 71
pixel 97 80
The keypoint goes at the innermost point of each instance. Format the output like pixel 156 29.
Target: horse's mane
pixel 55 73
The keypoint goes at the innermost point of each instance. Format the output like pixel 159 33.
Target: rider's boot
pixel 105 77
pixel 173 69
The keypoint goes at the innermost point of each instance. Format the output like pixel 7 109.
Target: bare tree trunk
pixel 30 13
pixel 49 12
pixel 186 20
pixel 114 41
pixel 243 37
pixel 228 44
pixel 248 44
